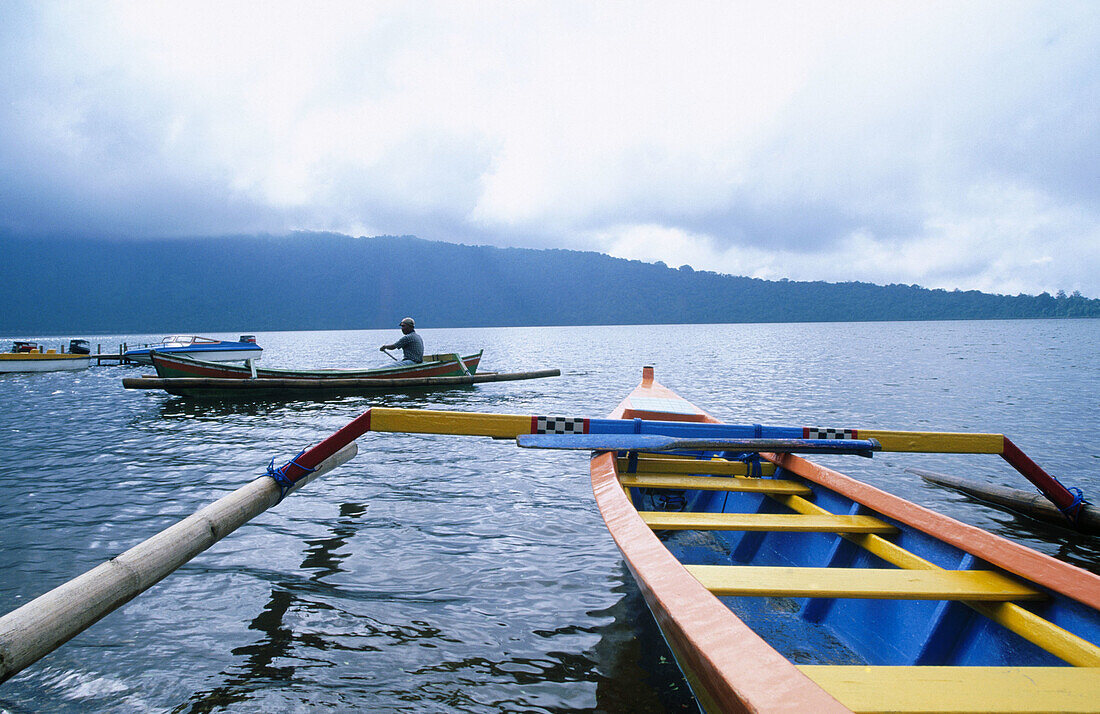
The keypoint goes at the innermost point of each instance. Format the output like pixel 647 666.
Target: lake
pixel 437 573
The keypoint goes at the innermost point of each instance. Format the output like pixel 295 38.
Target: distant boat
pixel 205 348
pixel 188 377
pixel 438 365
pixel 31 357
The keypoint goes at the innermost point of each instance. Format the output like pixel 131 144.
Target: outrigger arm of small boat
pixel 510 426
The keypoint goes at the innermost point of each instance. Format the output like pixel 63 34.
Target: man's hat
pixel 408 321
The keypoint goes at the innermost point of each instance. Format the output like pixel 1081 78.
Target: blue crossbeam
pixel 661 442
pixel 692 430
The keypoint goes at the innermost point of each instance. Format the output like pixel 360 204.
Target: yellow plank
pixel 787 522
pixel 1033 628
pixel 714 483
pixel 424 421
pixel 936 442
pixel 695 466
pixel 1037 630
pixel 943 690
pixel 884 584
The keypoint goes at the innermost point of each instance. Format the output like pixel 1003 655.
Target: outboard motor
pixel 248 338
pixel 79 347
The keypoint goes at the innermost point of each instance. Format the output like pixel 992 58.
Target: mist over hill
pixel 322 281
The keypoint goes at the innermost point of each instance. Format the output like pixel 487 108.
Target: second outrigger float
pixel 780 585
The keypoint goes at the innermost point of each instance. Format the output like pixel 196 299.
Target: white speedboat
pixel 204 348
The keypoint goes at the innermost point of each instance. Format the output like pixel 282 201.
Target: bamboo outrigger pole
pixel 44 624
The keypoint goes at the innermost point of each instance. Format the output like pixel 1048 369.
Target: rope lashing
pixel 281 479
pixel 1073 510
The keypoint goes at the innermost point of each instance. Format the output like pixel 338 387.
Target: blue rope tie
pixel 752 460
pixel 281 479
pixel 1073 510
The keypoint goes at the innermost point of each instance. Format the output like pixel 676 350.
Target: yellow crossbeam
pixel 425 421
pixel 694 466
pixel 714 483
pixel 939 690
pixel 884 584
pixel 788 522
pixel 1033 628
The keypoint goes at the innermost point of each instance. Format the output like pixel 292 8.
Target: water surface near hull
pixel 434 573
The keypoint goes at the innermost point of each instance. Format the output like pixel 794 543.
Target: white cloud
pixel 944 144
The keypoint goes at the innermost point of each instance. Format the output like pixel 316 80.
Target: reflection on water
pixel 438 573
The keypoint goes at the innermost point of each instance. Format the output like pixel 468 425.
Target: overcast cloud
pixel 951 145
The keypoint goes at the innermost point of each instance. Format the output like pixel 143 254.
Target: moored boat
pixel 30 357
pixel 785 586
pixel 801 589
pixel 206 348
pixel 170 365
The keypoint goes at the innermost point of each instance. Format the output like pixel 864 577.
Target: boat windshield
pixel 185 340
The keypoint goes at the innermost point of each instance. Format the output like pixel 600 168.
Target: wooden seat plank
pixel 874 583
pixel 790 522
pixel 938 690
pixel 693 466
pixel 714 483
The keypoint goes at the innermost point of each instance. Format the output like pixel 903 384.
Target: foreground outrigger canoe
pixel 784 586
pixel 780 585
pixel 437 365
pixel 805 590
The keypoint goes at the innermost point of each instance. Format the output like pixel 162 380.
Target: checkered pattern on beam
pixel 813 432
pixel 558 425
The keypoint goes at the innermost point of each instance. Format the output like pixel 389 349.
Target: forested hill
pixel 312 281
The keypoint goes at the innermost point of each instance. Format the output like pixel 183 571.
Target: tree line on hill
pixel 324 281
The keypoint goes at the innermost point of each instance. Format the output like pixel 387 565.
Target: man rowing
pixel 410 343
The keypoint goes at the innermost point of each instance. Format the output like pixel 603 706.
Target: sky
pixel 949 145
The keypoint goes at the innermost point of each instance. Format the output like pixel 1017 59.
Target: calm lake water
pixel 438 573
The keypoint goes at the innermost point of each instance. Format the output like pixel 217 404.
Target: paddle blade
pixel 657 442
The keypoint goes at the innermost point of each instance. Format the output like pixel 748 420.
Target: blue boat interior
pixel 851 630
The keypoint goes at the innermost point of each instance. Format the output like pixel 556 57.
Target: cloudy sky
pixel 950 145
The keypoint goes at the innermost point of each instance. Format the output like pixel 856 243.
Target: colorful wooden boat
pixel 207 348
pixel 169 365
pixel 30 357
pixel 785 586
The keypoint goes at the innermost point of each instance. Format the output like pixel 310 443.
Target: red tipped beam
pixel 304 464
pixel 1066 501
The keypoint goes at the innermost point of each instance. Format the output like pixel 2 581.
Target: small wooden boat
pixel 784 586
pixel 306 388
pixel 207 348
pixel 31 357
pixel 170 365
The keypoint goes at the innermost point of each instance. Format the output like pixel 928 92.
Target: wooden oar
pixel 389 355
pixel 42 625
pixel 656 442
